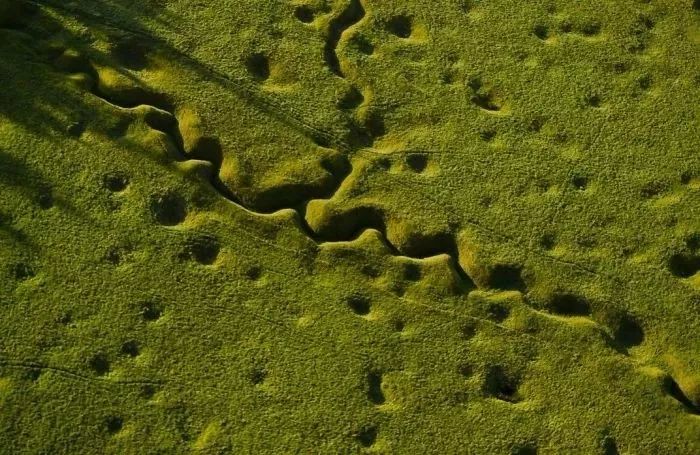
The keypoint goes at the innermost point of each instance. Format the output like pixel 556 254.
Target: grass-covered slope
pixel 350 226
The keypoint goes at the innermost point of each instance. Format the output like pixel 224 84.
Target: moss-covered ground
pixel 350 226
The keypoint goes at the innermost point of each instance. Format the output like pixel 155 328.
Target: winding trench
pixel 361 137
pixel 165 122
pixel 163 119
pixel 356 136
pixel 350 16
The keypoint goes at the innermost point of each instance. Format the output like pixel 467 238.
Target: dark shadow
pixel 500 384
pixel 626 332
pixel 610 446
pixel 567 304
pixel 351 15
pixel 506 277
pixel 44 111
pixel 17 174
pixel 10 231
pixel 684 265
pixel 671 387
pixel 131 22
pixel 29 37
pixel 374 384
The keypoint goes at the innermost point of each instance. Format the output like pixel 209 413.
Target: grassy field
pixel 350 226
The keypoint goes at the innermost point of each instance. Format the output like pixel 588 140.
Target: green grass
pixel 350 226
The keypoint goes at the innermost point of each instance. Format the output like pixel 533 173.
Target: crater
pixel 497 312
pixel 400 26
pixel 383 163
pixel 640 36
pixel 609 446
pixel 362 44
pixel 590 29
pixel 487 101
pixel 467 330
pixel 130 348
pixel 536 124
pixel 579 182
pixel 114 424
pixel 466 5
pixel 147 391
pixel 692 241
pixel 398 325
pixel 64 318
pixel 487 135
pixel 524 449
pixel 99 364
pixel 168 209
pixel 628 333
pixel 151 311
pixel 33 374
pixel 417 162
pixel 548 241
pixel 465 369
pixel 367 436
pixel 569 305
pixel 652 189
pixel 498 383
pixel 204 249
pixel 686 177
pixel 359 304
pixel 541 32
pixel 45 199
pixel 115 182
pixel 114 255
pixel 258 66
pixel 118 128
pixel 76 129
pixel 683 265
pixel 506 277
pixel 398 289
pixel 258 375
pixel 565 26
pixel 351 100
pixel 374 392
pixel 253 273
pixel 304 14
pixel 620 67
pixel 370 271
pixel 645 82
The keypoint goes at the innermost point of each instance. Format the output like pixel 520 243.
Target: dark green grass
pixel 342 226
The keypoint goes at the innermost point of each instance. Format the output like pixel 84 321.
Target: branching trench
pixel 161 117
pixel 350 16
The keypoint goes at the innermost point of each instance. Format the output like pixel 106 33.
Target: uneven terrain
pixel 350 226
